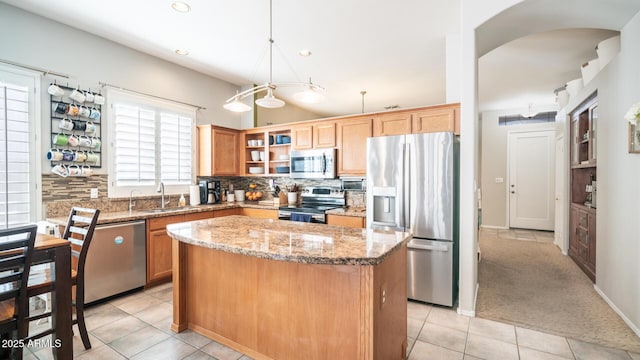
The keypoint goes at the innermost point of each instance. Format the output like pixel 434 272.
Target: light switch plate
pixel 94 193
pixel 499 180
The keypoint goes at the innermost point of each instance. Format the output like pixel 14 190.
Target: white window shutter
pixel 15 197
pixel 135 152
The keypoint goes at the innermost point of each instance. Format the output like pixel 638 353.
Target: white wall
pixel 618 213
pixel 36 41
pixel 494 164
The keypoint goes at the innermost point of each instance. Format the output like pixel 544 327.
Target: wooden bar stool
pixel 16 252
pixel 79 232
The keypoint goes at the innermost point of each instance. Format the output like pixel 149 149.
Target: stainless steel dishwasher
pixel 116 261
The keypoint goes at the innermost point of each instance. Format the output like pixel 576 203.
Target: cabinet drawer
pixel 161 223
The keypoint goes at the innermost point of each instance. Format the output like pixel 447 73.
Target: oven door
pixel 315 218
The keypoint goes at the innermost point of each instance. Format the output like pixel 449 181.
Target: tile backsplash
pixel 60 194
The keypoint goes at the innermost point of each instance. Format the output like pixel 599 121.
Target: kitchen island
pixel 276 289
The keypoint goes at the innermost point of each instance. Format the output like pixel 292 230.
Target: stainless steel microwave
pixel 313 164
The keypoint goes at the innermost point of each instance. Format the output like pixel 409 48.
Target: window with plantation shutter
pixel 17 189
pixel 135 150
pixel 152 143
pixel 175 144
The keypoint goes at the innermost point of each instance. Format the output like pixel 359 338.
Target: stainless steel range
pixel 315 202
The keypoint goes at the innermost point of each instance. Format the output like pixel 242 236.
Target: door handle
pixel 428 247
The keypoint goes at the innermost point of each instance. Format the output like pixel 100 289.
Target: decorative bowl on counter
pixel 256 170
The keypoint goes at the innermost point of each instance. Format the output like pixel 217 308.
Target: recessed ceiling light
pixel 304 52
pixel 182 52
pixel 180 6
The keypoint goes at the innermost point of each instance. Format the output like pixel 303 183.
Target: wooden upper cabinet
pixel 302 137
pixel 312 136
pixel 352 145
pixel 437 119
pixel 217 151
pixel 324 134
pixel 392 124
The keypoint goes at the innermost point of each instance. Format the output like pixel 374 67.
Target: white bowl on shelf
pixel 256 170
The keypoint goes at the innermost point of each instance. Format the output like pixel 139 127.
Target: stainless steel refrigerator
pixel 412 185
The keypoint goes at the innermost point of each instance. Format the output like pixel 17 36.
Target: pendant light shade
pixel 237 106
pixel 312 93
pixel 270 101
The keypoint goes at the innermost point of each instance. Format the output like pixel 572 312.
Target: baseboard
pixel 633 326
pixel 470 313
pixel 495 227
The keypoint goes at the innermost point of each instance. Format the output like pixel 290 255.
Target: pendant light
pixel 530 113
pixel 312 92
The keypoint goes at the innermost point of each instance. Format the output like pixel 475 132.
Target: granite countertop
pixel 292 241
pixel 349 211
pixel 143 214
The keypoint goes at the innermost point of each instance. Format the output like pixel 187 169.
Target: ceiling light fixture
pixel 182 52
pixel 180 6
pixel 530 113
pixel 363 92
pixel 311 93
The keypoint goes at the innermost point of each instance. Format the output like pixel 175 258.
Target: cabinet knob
pixel 513 192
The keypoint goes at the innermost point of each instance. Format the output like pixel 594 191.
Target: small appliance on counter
pixel 209 191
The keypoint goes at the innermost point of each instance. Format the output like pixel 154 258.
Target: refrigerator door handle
pixel 442 248
pixel 406 209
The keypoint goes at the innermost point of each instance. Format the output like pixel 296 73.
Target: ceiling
pixel 393 50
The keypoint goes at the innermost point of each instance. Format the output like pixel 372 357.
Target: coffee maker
pixel 209 191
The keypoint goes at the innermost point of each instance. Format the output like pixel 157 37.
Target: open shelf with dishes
pixel 266 153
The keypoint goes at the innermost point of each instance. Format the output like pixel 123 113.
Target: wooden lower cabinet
pixel 352 145
pixel 349 221
pixel 582 238
pixel 159 245
pixel 259 213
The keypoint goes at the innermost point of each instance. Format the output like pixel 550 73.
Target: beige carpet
pixel 526 281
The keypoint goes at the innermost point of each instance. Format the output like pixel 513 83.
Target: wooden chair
pixel 16 252
pixel 79 232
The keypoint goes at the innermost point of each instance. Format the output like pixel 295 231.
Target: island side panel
pixel 390 325
pixel 271 309
pixel 179 263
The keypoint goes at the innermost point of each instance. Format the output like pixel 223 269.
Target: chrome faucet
pixel 131 202
pixel 160 189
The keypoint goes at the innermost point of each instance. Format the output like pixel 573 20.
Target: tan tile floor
pixel 137 327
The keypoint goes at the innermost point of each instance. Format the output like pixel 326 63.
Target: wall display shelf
pixel 76 128
pixel 583 186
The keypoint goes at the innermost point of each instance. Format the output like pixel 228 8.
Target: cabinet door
pixel 158 256
pixel 348 221
pixel 392 124
pixel 352 145
pixel 259 213
pixel 217 151
pixel 573 232
pixel 324 135
pixel 225 152
pixel 591 258
pixel 302 137
pixel 434 120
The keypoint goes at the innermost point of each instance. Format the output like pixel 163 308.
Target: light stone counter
pixel 349 211
pixel 142 214
pixel 289 240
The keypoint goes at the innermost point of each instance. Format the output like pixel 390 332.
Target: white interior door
pixel 559 198
pixel 531 180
